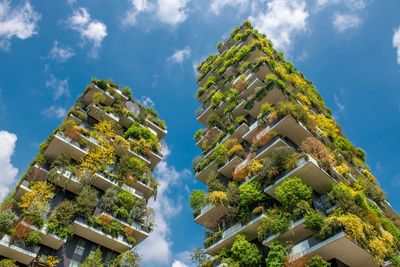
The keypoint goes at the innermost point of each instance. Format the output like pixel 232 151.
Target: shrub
pixel 108 201
pixel 216 99
pixel 61 219
pixel 137 131
pixel 93 259
pixel 33 238
pixel 35 201
pixel 131 166
pixel 277 255
pixel 86 202
pixel 214 183
pixel 317 261
pixel 126 91
pixel 314 221
pixel 343 196
pixel 292 191
pixel 319 151
pixel 254 167
pixel 218 198
pixel 98 98
pixel 127 259
pixel 197 199
pixel 125 200
pixel 251 193
pixel 343 143
pixel 198 134
pixel 236 149
pixel 7 263
pixel 266 108
pixel 245 253
pixel 283 159
pixel 274 222
pixel 7 220
pixel 327 127
pixel 220 154
pixel 294 109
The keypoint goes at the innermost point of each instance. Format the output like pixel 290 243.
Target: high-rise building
pixel 285 187
pixel 84 197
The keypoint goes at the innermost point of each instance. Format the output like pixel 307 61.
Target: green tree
pixel 7 263
pixel 250 194
pixel 86 202
pixel 197 199
pixel 277 255
pixel 245 253
pixel 94 259
pixel 127 259
pixel 293 191
pixel 7 220
pixel 317 261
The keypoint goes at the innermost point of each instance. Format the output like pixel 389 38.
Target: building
pixel 284 185
pixel 88 188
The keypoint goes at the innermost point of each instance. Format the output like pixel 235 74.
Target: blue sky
pixel 49 50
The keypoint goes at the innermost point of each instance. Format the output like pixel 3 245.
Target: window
pixel 74 263
pixel 80 248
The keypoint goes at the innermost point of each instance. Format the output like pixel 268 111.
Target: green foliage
pixel 220 154
pixel 317 261
pixel 294 109
pixel 251 194
pixel 131 166
pixel 266 108
pixel 274 222
pixel 7 220
pixel 198 134
pixel 126 91
pixel 94 259
pixel 33 238
pixel 125 201
pixel 7 263
pixel 216 99
pixel 282 160
pixel 197 199
pixel 245 253
pixel 86 202
pixel 137 131
pixel 343 143
pixel 291 192
pixel 127 259
pixel 108 201
pixel 61 219
pixel 277 255
pixel 314 221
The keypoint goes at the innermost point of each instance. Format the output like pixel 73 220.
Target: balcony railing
pixel 17 250
pixel 210 215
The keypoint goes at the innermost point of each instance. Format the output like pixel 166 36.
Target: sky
pixel 49 51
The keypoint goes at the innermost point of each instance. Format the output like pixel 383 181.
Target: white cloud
pixel 170 12
pixel 338 103
pixel 19 22
pixel 353 5
pixel 282 20
pixel 345 22
pixel 217 5
pixel 157 248
pixel 90 30
pixel 54 112
pixel 177 263
pixel 180 55
pixel 60 87
pixel 396 43
pixel 61 52
pixel 8 171
pixel 147 101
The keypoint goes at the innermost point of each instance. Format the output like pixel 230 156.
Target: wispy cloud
pixel 217 5
pixel 8 171
pixel 147 101
pixel 281 21
pixel 54 112
pixel 19 22
pixel 396 43
pixel 177 263
pixel 59 87
pixel 90 30
pixel 344 22
pixel 170 12
pixel 60 52
pixel 157 248
pixel 180 55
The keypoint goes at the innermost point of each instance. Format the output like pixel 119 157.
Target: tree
pixel 317 261
pixel 127 259
pixel 94 259
pixel 108 201
pixel 245 253
pixel 250 194
pixel 61 219
pixel 319 151
pixel 277 255
pixel 8 263
pixel 34 202
pixel 197 199
pixel 199 257
pixel 86 202
pixel 7 220
pixel 293 191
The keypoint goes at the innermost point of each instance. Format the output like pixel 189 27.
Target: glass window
pixel 73 263
pixel 80 248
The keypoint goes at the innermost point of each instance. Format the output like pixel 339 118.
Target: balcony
pixel 37 173
pixel 230 165
pixel 254 55
pixel 228 236
pixel 226 45
pixel 296 233
pixel 202 81
pixel 21 190
pixel 210 215
pixel 204 97
pixel 203 174
pixel 253 84
pixel 239 109
pixel 208 137
pixel 140 233
pixel 126 120
pixel 286 127
pixel 93 89
pixel 67 180
pixel 202 117
pixel 155 158
pixel 49 240
pixel 336 247
pixel 273 96
pixel 160 132
pixel 308 170
pixel 142 189
pixel 61 144
pixel 103 181
pixel 267 149
pixel 98 113
pixel 230 71
pixel 17 251
pixel 95 234
pixel 122 150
